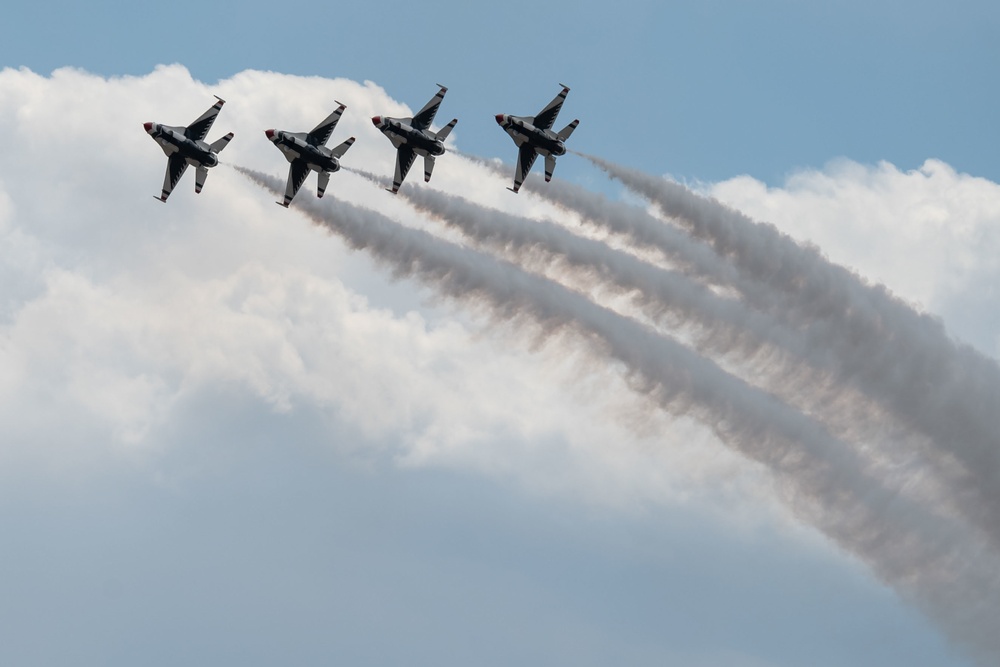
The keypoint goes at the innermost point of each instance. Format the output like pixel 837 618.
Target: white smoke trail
pixel 638 227
pixel 830 337
pixel 906 360
pixel 727 327
pixel 927 557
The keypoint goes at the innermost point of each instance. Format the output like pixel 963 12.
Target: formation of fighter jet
pixel 411 137
pixel 307 151
pixel 186 145
pixel 534 136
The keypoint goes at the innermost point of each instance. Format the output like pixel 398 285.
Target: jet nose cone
pixel 500 118
pixel 148 127
pixel 269 134
pixel 376 120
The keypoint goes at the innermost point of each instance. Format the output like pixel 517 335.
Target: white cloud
pixel 930 234
pixel 129 305
pixel 118 312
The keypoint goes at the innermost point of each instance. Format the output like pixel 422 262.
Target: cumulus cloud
pixel 119 312
pixel 118 308
pixel 930 234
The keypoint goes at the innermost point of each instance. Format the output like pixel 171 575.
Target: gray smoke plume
pixel 927 556
pixel 899 357
pixel 635 225
pixel 766 353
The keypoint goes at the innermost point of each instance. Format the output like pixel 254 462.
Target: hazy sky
pixel 226 438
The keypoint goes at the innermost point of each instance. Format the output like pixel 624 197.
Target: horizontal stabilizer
pixel 550 166
pixel 219 144
pixel 200 174
pixel 339 151
pixel 428 167
pixel 446 130
pixel 324 180
pixel 568 130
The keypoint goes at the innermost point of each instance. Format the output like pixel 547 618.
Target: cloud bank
pixel 117 314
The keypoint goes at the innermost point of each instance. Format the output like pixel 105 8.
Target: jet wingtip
pixel 283 204
pixel 221 101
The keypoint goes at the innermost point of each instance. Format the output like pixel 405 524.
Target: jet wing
pixel 175 169
pixel 525 159
pixel 404 160
pixel 321 133
pixel 423 119
pixel 297 173
pixel 547 116
pixel 199 128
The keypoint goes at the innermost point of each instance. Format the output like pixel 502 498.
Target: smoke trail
pixel 640 228
pixel 725 327
pixel 924 555
pixel 945 390
pixel 838 340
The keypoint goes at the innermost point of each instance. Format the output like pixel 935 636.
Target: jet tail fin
pixel 568 130
pixel 199 178
pixel 428 167
pixel 324 179
pixel 219 144
pixel 446 130
pixel 339 151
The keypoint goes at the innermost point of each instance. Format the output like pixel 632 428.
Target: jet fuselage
pixel 399 132
pixel 545 142
pixel 173 140
pixel 319 158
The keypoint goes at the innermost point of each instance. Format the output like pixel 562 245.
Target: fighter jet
pixel 186 145
pixel 534 136
pixel 411 138
pixel 308 152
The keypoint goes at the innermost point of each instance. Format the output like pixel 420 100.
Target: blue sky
pixel 719 87
pixel 245 521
